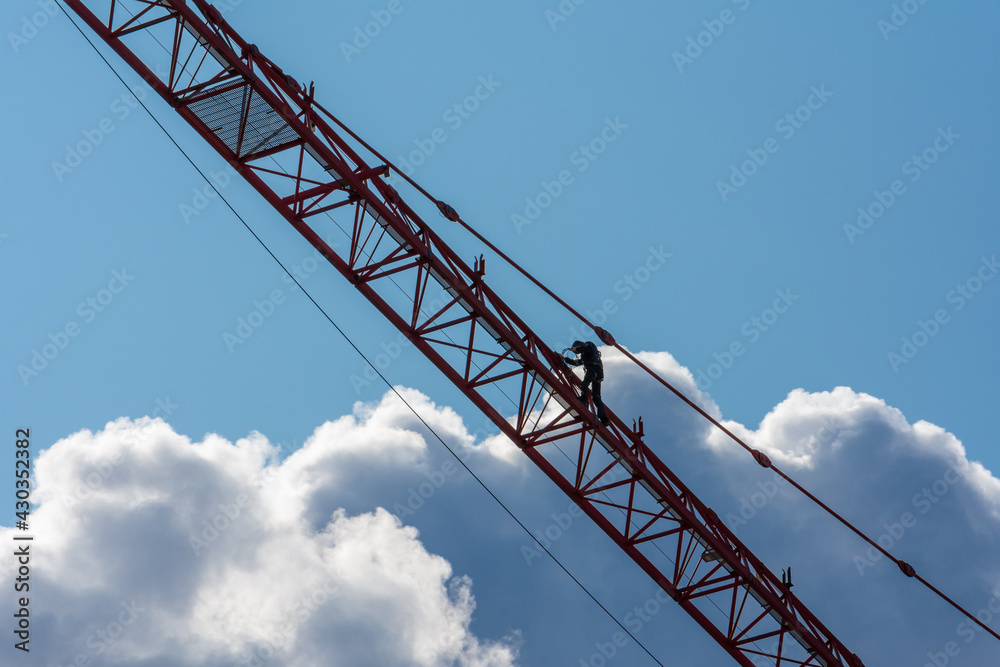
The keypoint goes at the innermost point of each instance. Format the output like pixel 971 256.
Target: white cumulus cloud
pixel 153 549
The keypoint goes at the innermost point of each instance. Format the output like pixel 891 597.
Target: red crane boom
pixel 249 110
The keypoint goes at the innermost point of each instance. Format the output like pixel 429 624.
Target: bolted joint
pixel 605 336
pixel 761 458
pixel 448 212
pixel 393 196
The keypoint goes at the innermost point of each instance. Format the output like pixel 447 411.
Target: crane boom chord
pixel 249 109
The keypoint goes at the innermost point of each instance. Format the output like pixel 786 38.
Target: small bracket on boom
pixel 479 268
pixel 786 577
pixel 637 428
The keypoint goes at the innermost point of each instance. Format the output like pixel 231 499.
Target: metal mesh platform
pixel 223 112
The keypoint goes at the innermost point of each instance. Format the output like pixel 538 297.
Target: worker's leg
pixel 588 379
pixel 598 403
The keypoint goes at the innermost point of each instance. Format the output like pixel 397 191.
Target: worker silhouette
pixel 590 358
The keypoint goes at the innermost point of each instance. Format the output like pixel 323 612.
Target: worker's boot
pixel 602 415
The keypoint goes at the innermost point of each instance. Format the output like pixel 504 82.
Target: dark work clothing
pixel 593 375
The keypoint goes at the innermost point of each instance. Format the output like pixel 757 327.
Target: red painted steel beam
pixel 251 112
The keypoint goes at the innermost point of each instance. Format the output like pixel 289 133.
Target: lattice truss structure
pixel 271 130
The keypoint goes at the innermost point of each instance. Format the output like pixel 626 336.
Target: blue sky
pixel 730 145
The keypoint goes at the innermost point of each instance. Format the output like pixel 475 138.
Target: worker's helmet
pixel 577 345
